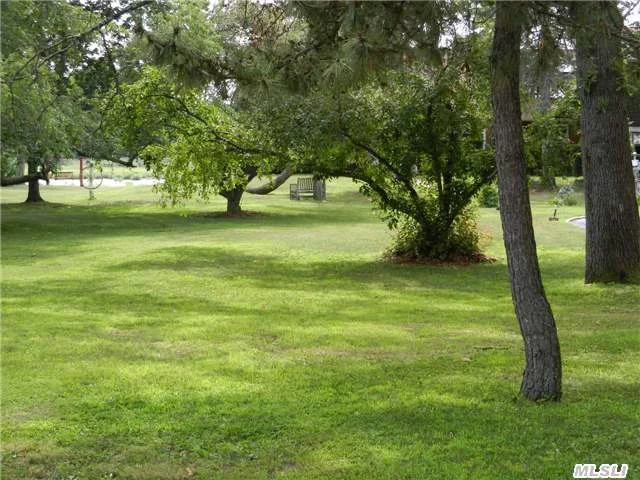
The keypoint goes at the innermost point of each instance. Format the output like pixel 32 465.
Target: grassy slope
pixel 150 343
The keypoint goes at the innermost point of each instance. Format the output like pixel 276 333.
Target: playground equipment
pixel 90 177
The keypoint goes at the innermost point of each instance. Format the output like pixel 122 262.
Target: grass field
pixel 148 343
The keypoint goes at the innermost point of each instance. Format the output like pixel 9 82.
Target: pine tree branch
pixel 66 42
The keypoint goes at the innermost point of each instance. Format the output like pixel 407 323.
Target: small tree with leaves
pixel 199 146
pixel 412 138
pixel 421 158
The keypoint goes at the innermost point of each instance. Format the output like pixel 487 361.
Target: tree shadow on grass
pixel 368 407
pixel 343 287
pixel 100 306
pixel 280 272
pixel 119 214
pixel 59 230
pixel 347 419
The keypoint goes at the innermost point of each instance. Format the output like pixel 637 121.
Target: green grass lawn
pixel 148 343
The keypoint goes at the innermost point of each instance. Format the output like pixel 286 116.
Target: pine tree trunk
pixel 33 195
pixel 542 373
pixel 613 226
pixel 233 200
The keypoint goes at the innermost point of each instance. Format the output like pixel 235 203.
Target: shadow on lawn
pixel 119 217
pixel 391 287
pixel 282 272
pixel 347 419
pixel 78 308
pixel 60 229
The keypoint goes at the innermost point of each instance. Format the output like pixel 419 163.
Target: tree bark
pixel 33 195
pixel 273 184
pixel 613 225
pixel 319 188
pixel 9 181
pixel 233 200
pixel 543 372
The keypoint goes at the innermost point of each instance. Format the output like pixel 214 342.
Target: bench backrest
pixel 305 183
pixel 63 175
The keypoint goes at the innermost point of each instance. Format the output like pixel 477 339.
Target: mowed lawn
pixel 148 343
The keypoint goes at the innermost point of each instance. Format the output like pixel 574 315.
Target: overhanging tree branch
pixel 63 44
pixel 273 184
pixel 217 135
pixel 19 180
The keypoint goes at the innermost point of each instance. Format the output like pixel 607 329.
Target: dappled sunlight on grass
pixel 156 343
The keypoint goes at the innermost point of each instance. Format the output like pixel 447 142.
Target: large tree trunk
pixel 542 373
pixel 233 200
pixel 613 226
pixel 33 195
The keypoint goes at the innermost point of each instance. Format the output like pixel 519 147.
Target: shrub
pixel 488 196
pixel 571 201
pixel 565 197
pixel 458 241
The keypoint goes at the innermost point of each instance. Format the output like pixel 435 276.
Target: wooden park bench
pixel 304 186
pixel 64 176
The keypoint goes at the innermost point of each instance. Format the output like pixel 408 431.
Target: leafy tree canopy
pixel 197 144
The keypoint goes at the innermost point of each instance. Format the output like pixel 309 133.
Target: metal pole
pixel 91 195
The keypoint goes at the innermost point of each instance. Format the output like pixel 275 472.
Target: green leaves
pixel 413 137
pixel 551 144
pixel 200 147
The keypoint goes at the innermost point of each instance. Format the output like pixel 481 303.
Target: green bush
pixel 488 196
pixel 413 242
pixel 565 197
